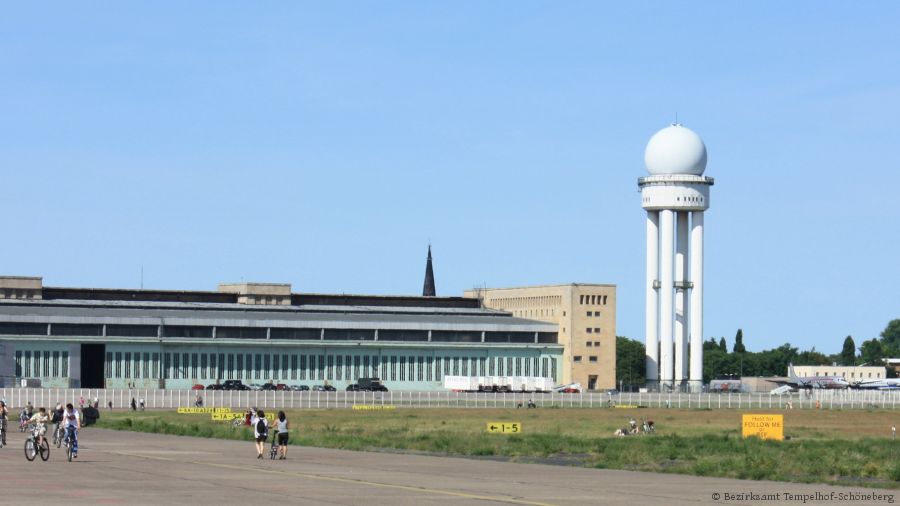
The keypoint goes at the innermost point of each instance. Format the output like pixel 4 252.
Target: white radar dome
pixel 675 150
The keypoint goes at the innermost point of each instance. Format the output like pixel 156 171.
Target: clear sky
pixel 325 144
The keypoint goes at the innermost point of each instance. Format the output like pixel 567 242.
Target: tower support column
pixel 696 327
pixel 681 268
pixel 651 321
pixel 666 291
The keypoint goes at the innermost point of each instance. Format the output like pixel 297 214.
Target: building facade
pixel 585 315
pixel 259 333
pixel 852 374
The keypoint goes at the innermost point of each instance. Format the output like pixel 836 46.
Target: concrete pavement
pixel 135 468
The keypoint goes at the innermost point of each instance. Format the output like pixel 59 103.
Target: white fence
pixel 156 399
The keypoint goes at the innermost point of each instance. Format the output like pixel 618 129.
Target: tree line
pixel 719 362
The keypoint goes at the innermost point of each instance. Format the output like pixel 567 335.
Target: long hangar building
pixel 113 338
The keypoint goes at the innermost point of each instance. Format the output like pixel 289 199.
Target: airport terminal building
pixel 259 333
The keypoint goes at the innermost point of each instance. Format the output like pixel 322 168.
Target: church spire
pixel 428 289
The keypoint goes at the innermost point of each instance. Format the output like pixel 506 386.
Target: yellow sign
pixel 763 426
pixel 195 411
pixel 227 416
pixel 626 406
pixel 372 407
pixel 504 427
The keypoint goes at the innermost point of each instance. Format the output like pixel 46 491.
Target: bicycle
pixel 273 453
pixel 32 448
pixel 68 442
pixel 2 433
pixel 58 435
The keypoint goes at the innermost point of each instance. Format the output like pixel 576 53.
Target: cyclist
pixel 23 419
pixel 57 418
pixel 72 422
pixel 4 417
pixel 39 420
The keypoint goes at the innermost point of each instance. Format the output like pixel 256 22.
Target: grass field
pixel 829 446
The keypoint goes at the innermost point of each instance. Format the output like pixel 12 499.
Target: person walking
pixel 4 418
pixel 260 432
pixel 281 425
pixel 133 404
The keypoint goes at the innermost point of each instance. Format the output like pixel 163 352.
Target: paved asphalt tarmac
pixel 133 468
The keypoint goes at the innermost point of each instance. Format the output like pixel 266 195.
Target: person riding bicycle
pixel 72 422
pixel 39 421
pixel 56 418
pixel 4 417
pixel 23 419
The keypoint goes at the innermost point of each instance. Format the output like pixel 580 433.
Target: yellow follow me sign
pixel 504 427
pixel 763 426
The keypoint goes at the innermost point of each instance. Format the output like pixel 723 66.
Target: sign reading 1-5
pixel 504 427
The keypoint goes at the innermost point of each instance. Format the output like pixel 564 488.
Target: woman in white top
pixel 281 425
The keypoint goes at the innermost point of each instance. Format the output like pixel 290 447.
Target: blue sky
pixel 325 144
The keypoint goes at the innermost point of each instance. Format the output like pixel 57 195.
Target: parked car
pixel 300 388
pixel 324 388
pixel 570 390
pixel 214 386
pixel 234 385
pixel 367 385
pixel 254 387
pixel 282 386
pixel 268 386
pixel 197 387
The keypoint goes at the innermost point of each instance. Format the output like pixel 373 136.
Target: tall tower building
pixel 675 195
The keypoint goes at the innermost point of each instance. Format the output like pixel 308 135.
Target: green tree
pixel 813 357
pixel 630 361
pixel 871 352
pixel 848 354
pixel 739 342
pixel 722 345
pixel 890 338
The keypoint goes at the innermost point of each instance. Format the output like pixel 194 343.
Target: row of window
pixel 593 343
pixel 42 364
pixel 593 330
pixel 444 336
pixel 594 314
pixel 283 367
pixel 591 358
pixel 592 300
pixel 248 366
pixel 541 301
pixel 852 374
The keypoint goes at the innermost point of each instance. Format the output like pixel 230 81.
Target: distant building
pixel 586 318
pixel 849 373
pixel 259 333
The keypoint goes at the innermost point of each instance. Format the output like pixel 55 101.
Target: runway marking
pixel 435 491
